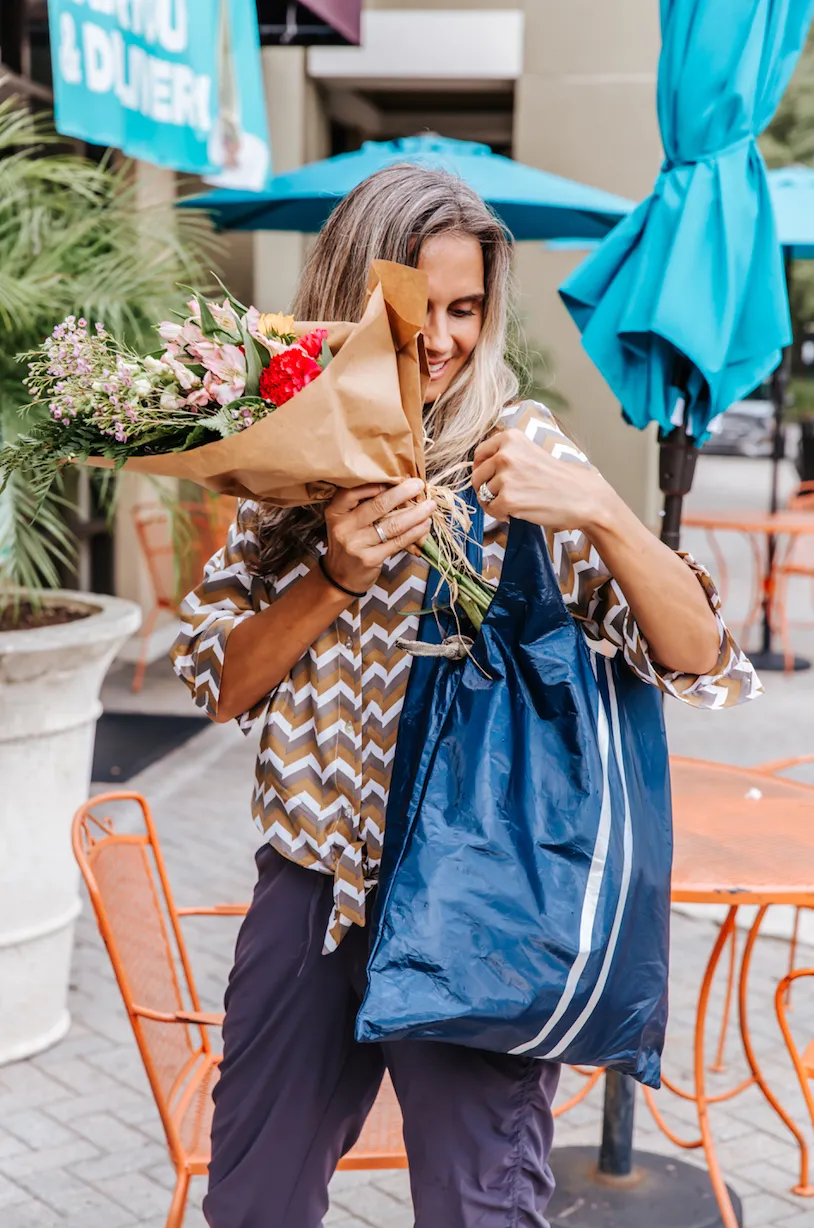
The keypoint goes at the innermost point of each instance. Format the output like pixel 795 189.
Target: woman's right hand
pixel 356 552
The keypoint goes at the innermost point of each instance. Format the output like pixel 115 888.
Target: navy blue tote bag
pixel 524 893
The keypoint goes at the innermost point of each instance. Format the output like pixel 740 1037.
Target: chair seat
pixel 193 1116
pixel 380 1145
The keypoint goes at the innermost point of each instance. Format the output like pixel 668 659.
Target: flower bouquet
pixel 251 405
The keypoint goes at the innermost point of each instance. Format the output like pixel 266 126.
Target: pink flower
pixel 224 315
pixel 225 377
pixel 179 337
pixel 186 379
pixel 199 397
pixel 221 392
pixel 272 344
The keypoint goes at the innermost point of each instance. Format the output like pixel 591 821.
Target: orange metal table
pixel 741 837
pixel 786 527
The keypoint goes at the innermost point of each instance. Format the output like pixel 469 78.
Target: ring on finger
pixel 486 495
pixel 381 532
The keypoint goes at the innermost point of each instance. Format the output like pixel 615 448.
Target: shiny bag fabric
pixel 524 894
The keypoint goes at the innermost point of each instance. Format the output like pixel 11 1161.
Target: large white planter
pixel 50 680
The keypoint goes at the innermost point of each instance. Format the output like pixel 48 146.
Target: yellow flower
pixel 272 324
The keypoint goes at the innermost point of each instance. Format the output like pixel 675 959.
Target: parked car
pixel 746 429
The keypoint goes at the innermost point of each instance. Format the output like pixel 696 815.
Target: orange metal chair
pixel 803 1062
pixel 140 924
pixel 173 571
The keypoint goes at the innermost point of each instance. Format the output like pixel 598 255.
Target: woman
pixel 294 627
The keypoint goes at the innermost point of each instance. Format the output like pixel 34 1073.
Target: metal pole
pixel 677 457
pixel 616 1152
pixel 13 35
pixel 766 659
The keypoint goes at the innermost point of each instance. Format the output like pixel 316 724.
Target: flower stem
pixel 474 596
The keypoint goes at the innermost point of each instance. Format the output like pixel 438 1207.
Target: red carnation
pixel 312 342
pixel 287 374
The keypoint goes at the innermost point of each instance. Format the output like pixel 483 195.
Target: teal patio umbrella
pixel 531 203
pixel 792 193
pixel 791 190
pixel 684 307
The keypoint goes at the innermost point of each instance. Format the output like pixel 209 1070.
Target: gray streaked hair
pixel 390 216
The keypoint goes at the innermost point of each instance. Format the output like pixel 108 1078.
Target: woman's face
pixel 454 267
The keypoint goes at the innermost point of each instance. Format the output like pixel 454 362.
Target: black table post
pixel 766 658
pixel 616 1151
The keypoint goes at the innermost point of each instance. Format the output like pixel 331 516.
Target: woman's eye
pixel 459 313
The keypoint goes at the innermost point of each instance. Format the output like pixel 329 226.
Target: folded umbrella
pixel 686 300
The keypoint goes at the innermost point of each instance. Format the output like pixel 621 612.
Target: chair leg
pixel 780 614
pixel 175 1218
pixel 147 631
pixel 805 1189
pixel 795 937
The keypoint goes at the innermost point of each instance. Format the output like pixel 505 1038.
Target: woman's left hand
pixel 667 601
pixel 530 484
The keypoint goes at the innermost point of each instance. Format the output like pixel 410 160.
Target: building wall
pixel 299 133
pixel 585 108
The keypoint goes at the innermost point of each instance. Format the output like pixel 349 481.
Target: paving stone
pixel 11 1194
pixel 74 1199
pixel 37 1129
pixel 32 1214
pixel 11 1146
pixel 117 1102
pixel 116 1163
pixel 40 1162
pixel 768 1209
pixel 107 1131
pixel 137 1193
pixel 374 1206
pixel 84 1147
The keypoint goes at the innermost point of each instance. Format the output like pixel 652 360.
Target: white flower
pixel 155 366
pixel 169 401
pixel 142 387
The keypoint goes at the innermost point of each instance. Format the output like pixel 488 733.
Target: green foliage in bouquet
pixel 73 240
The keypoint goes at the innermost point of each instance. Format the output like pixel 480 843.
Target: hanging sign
pixel 174 82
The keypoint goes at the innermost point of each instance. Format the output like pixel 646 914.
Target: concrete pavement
pixel 80 1141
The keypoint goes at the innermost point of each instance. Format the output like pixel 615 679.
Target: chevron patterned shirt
pixel 328 731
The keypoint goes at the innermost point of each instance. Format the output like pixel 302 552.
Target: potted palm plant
pixel 72 240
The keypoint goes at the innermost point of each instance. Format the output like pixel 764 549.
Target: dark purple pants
pixel 296 1088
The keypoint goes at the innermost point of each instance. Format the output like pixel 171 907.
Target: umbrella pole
pixel 677 458
pixel 766 658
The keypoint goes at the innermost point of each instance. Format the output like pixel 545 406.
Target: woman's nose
pixel 437 337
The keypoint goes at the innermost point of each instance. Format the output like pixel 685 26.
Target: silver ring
pixel 485 494
pixel 383 538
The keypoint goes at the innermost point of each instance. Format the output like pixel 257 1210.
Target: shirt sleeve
pixel 228 594
pixel 596 600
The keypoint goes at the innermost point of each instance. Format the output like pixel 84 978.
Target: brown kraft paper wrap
pixel 359 422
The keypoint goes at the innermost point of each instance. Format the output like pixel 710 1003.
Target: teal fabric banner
pixel 174 82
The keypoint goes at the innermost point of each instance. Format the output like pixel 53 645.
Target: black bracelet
pixel 323 567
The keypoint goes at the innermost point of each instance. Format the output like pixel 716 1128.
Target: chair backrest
pixel 130 894
pixel 175 567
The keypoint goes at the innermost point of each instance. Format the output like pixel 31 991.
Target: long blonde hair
pixel 389 217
